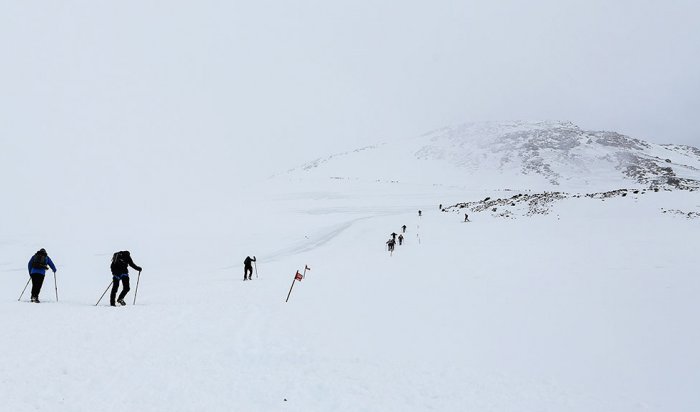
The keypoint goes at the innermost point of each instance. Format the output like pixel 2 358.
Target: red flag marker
pixel 297 276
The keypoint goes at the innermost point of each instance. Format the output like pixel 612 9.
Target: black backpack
pixel 39 261
pixel 118 262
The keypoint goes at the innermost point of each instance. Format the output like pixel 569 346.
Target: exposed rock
pixel 688 215
pixel 534 203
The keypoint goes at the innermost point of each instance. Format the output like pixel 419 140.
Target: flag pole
pixel 290 290
pixel 297 276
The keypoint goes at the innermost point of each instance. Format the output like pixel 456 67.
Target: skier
pixel 248 268
pixel 120 271
pixel 403 228
pixel 400 240
pixel 420 213
pixel 393 236
pixel 440 206
pixel 466 217
pixel 37 271
pixel 390 244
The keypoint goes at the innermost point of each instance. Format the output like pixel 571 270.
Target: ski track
pixel 323 237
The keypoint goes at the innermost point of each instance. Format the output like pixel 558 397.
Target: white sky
pixel 192 90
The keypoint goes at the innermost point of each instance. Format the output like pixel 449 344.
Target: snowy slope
pixel 591 306
pixel 519 155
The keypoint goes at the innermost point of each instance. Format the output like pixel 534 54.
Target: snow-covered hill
pixel 541 155
pixel 548 300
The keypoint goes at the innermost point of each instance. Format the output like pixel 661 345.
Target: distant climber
pixel 440 206
pixel 393 236
pixel 420 213
pixel 390 244
pixel 120 271
pixel 37 271
pixel 466 218
pixel 400 240
pixel 248 268
pixel 403 228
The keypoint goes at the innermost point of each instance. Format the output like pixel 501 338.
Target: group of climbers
pixel 391 243
pixel 40 262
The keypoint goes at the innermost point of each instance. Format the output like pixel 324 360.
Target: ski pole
pixel 137 286
pixel 255 264
pixel 25 288
pixel 55 285
pixel 103 295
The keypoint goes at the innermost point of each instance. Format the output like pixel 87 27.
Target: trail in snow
pixel 510 315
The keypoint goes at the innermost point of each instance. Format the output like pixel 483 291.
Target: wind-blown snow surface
pixel 591 307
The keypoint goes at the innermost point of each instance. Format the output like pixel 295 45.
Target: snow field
pixel 589 308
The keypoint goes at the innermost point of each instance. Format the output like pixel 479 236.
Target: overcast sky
pixel 174 85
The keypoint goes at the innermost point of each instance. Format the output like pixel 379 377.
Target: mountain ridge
pixel 533 154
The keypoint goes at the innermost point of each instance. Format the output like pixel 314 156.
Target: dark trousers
pixel 37 281
pixel 247 272
pixel 115 287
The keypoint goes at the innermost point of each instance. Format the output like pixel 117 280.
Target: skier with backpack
pixel 390 244
pixel 400 240
pixel 248 268
pixel 38 264
pixel 120 271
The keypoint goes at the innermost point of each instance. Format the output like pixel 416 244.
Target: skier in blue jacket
pixel 37 271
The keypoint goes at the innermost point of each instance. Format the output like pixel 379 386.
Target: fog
pixel 106 103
